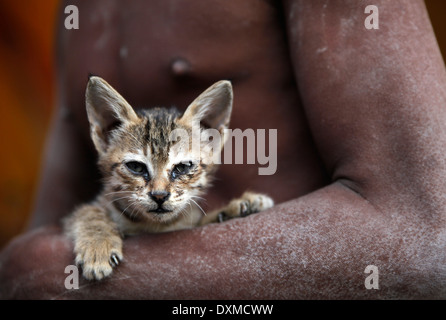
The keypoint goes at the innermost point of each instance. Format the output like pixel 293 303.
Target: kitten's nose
pixel 159 196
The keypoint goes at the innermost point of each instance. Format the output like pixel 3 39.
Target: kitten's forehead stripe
pixel 159 124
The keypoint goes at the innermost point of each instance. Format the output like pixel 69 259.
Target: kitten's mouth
pixel 160 210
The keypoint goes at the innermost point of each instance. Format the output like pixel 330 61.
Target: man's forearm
pixel 318 246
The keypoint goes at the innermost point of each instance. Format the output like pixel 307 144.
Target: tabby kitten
pixel 150 180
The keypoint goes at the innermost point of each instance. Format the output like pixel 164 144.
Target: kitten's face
pixel 150 176
pixel 147 176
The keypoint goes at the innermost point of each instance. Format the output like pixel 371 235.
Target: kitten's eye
pixel 136 167
pixel 181 168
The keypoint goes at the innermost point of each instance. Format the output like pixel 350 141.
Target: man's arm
pixel 374 105
pixel 314 247
pixel 375 99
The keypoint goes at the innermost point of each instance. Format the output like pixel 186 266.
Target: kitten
pixel 150 181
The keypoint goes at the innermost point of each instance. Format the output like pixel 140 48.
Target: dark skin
pixel 361 163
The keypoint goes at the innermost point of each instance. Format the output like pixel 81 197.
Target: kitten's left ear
pixel 213 107
pixel 106 109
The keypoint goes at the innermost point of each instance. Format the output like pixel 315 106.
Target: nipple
pixel 180 67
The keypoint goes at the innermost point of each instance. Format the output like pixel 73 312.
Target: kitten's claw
pixel 97 261
pixel 244 208
pixel 222 217
pixel 114 260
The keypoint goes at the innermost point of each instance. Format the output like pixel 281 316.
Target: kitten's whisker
pixel 190 212
pixel 198 206
pixel 190 205
pixel 117 199
pixel 198 197
pixel 201 199
pixel 116 192
pixel 184 212
pixel 125 197
pixel 134 208
pixel 131 203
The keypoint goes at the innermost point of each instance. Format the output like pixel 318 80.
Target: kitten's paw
pixel 249 203
pixel 97 258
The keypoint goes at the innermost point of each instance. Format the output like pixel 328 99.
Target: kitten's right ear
pixel 106 109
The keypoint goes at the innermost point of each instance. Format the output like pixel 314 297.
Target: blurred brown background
pixel 26 102
pixel 27 30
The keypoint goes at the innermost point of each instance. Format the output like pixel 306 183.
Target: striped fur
pixel 151 179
